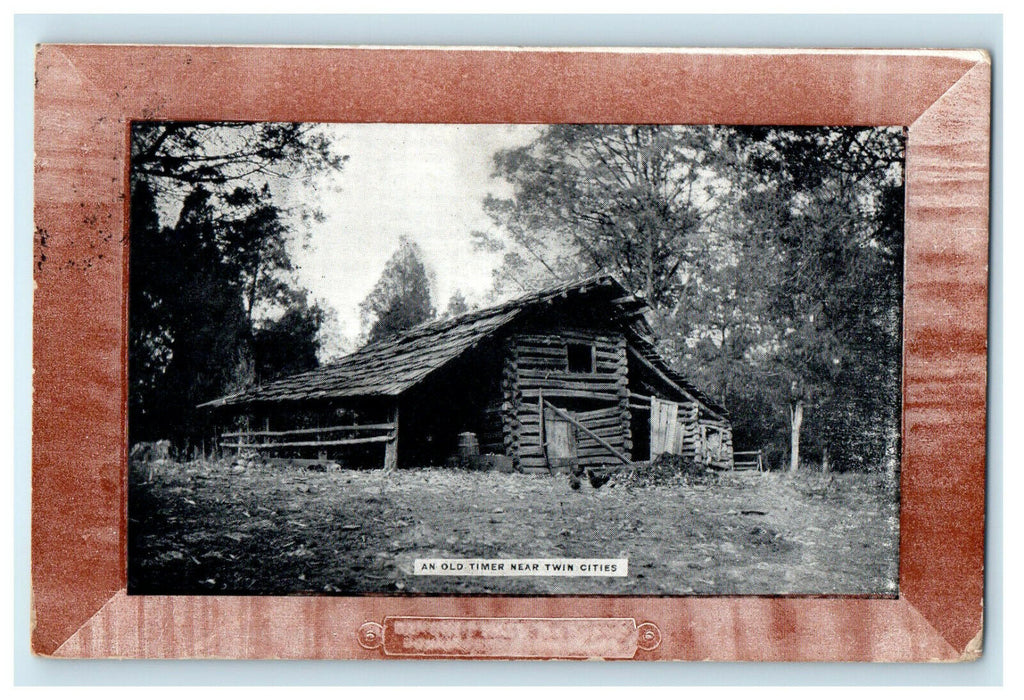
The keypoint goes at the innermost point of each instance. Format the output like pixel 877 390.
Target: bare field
pixel 202 528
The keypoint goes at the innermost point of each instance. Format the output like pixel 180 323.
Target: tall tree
pixel 256 242
pixel 623 199
pixel 401 298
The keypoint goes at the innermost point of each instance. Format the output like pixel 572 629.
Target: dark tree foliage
pixel 185 154
pixel 826 205
pixel 209 295
pixel 151 318
pixel 401 298
pixel 289 344
pixel 184 297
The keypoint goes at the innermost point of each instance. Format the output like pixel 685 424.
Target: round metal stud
pixel 370 635
pixel 648 636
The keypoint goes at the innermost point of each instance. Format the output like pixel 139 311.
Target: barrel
pixel 468 445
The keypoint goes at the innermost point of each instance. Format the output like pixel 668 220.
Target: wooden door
pixel 559 442
pixel 664 427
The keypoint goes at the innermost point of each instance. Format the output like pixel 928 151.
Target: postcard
pixel 510 353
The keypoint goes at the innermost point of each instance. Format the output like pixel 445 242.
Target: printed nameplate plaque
pixel 510 637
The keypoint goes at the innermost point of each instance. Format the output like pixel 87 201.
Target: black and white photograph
pixel 514 359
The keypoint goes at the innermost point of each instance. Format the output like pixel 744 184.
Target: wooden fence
pixel 319 438
pixel 748 461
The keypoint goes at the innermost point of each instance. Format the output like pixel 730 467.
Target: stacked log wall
pixel 492 432
pixel 725 458
pixel 598 399
pixel 511 401
pixel 689 429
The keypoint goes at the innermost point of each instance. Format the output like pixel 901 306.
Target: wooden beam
pixel 606 396
pixel 664 377
pixel 313 431
pixel 540 428
pixel 309 443
pixel 601 441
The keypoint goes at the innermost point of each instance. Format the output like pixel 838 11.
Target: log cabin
pixel 567 376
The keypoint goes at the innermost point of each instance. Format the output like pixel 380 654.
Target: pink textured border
pixel 85 97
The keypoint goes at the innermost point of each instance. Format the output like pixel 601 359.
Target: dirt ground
pixel 202 527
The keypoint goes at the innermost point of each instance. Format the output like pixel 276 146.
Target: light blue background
pixel 877 31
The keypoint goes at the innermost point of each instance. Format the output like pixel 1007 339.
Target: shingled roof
pixel 390 367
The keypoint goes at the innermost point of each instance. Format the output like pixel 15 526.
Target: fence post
pixel 391 446
pixel 244 440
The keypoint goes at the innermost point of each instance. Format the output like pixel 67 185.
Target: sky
pixel 424 181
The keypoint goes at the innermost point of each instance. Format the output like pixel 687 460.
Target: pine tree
pixel 401 298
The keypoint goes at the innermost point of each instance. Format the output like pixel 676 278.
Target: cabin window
pixel 581 357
